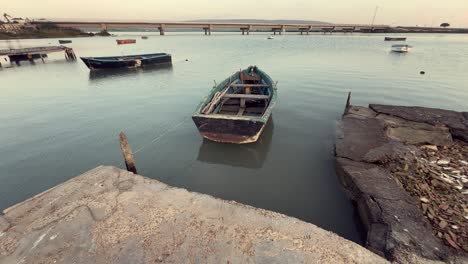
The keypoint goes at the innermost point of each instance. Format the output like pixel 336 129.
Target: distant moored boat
pixel 132 61
pixel 401 48
pixel 64 41
pixel 144 37
pixel 236 110
pixel 126 41
pixel 394 39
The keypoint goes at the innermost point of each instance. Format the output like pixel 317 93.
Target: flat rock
pixel 456 121
pixel 415 133
pixel 360 112
pixel 366 139
pixel 362 135
pixel 108 215
pixel 409 135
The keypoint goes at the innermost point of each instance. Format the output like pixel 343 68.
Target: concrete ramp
pixel 108 215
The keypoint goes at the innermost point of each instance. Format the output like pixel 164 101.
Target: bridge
pixel 245 28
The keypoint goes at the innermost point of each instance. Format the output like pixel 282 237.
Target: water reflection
pixel 124 72
pixel 247 155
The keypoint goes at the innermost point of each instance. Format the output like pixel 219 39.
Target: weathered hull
pixel 239 122
pixel 229 130
pixel 394 39
pixel 103 63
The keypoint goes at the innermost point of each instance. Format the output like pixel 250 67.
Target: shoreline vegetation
pixel 50 30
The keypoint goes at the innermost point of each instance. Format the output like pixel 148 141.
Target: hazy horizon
pixel 397 12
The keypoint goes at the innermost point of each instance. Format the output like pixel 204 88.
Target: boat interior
pixel 248 95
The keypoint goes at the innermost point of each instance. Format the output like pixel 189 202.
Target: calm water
pixel 57 120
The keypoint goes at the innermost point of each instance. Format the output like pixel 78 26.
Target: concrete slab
pixel 108 215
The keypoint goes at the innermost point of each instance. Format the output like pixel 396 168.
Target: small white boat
pixel 271 37
pixel 401 48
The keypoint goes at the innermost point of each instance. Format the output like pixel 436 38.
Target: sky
pixel 390 12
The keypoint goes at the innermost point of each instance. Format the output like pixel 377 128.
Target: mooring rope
pixel 163 134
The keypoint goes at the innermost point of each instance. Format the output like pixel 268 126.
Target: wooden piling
pixel 127 153
pixel 348 103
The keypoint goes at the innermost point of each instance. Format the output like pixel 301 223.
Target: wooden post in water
pixel 127 153
pixel 348 103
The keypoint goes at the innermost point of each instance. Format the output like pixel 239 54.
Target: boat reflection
pixel 122 72
pixel 251 155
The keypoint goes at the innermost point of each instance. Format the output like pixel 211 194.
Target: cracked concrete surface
pixel 108 215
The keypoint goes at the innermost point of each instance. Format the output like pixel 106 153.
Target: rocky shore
pixel 406 169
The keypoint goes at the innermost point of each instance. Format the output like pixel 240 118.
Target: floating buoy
pixel 186 59
pixel 422 72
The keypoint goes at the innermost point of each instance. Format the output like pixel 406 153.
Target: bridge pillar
pixel 245 29
pixel 161 30
pixel 103 27
pixel 208 30
pixel 283 29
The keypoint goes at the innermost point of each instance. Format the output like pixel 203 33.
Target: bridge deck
pixel 109 24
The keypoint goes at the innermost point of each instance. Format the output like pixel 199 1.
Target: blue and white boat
pixel 131 61
pixel 401 48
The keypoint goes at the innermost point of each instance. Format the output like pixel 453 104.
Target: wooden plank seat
pixel 247 96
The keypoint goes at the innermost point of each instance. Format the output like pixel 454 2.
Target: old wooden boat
pixel 125 41
pixel 394 39
pixel 401 48
pixel 236 110
pixel 64 41
pixel 132 61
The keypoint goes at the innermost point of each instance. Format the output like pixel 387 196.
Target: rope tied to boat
pixel 171 129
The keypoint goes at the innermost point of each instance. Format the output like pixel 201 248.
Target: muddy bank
pixel 406 167
pixel 108 215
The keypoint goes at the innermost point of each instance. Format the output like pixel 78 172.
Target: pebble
pixel 443 224
pixel 424 200
pixel 430 147
pixel 443 162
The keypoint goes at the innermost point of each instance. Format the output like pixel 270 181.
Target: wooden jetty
pixel 30 53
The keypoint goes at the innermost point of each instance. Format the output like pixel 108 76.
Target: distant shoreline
pixel 53 31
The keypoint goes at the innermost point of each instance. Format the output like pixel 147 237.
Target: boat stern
pixel 229 129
